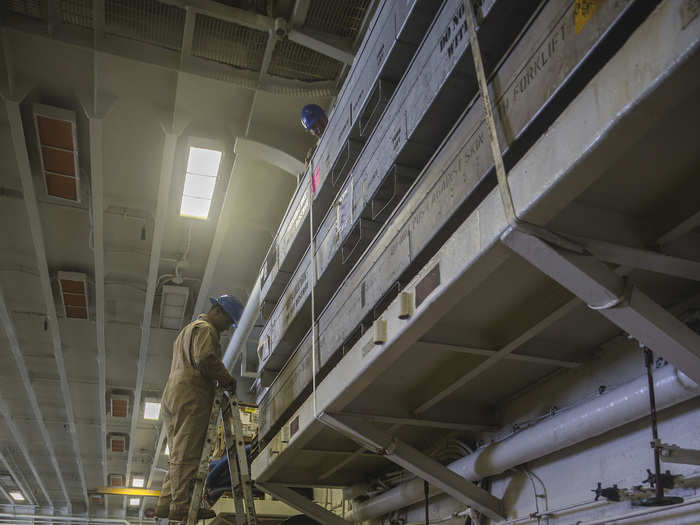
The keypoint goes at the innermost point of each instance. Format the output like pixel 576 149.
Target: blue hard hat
pixel 310 114
pixel 232 306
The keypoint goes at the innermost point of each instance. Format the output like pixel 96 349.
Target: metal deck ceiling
pixel 619 165
pixel 239 45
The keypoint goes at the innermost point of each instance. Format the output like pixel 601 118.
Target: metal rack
pixel 424 106
pixel 491 267
pixel 386 50
pixel 444 193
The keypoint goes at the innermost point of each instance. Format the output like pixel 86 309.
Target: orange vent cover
pixel 55 129
pixel 74 294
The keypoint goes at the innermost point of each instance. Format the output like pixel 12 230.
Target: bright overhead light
pixel 167 450
pixel 134 502
pixel 16 495
pixel 137 482
pixel 151 410
pixel 200 180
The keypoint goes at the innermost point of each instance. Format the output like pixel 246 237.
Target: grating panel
pixel 77 12
pixel 31 8
pixel 146 21
pixel 228 43
pixel 291 60
pixel 342 18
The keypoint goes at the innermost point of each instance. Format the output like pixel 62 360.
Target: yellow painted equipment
pixel 126 491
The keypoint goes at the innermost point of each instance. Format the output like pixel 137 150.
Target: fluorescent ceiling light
pixel 200 180
pixel 16 495
pixel 137 482
pixel 167 450
pixel 134 502
pixel 151 410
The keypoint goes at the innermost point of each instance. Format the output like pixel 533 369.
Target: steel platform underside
pixel 620 165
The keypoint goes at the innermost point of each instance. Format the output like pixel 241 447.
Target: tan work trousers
pixel 186 410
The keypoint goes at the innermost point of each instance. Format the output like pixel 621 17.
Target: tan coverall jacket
pixel 186 405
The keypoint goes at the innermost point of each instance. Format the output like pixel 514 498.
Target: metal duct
pixel 614 409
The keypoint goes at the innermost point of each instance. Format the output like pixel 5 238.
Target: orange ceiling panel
pixel 58 161
pixel 56 133
pixel 61 186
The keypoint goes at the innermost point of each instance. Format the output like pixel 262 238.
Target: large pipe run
pixel 616 408
pixel 250 315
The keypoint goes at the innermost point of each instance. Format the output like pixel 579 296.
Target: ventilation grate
pixel 291 60
pixel 340 18
pixel 31 8
pixel 146 21
pixel 76 12
pixel 228 43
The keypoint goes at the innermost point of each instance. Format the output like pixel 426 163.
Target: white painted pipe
pixel 644 512
pixel 49 517
pixel 250 315
pixel 616 408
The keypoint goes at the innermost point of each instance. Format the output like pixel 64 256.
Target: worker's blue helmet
pixel 232 306
pixel 310 115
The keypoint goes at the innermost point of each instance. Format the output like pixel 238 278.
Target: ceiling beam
pixel 6 495
pixel 21 443
pixel 170 59
pixel 96 156
pixel 267 56
pixel 227 13
pixel 16 478
pixel 299 13
pixel 11 335
pixel 166 172
pixel 322 44
pixel 95 113
pixel 14 118
pixel 187 37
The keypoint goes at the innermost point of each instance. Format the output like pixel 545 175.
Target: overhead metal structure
pixel 15 94
pixel 193 36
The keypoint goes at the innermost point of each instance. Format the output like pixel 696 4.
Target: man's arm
pixel 207 361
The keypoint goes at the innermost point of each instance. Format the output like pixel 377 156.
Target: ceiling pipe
pixel 614 409
pixel 50 517
pixel 250 315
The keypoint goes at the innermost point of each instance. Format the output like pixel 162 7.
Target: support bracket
pixel 416 462
pixel 676 454
pixel 618 300
pixel 302 504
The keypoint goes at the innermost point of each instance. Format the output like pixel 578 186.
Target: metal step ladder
pixel 226 407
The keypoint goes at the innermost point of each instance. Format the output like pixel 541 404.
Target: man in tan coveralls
pixel 187 401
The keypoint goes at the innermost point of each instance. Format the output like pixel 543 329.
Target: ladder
pixel 226 407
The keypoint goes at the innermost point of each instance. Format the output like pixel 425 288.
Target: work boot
pixel 202 514
pixel 162 511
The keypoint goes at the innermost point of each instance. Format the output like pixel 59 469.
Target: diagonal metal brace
pixel 418 463
pixel 618 300
pixel 302 504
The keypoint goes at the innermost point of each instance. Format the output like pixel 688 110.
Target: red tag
pixel 314 179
